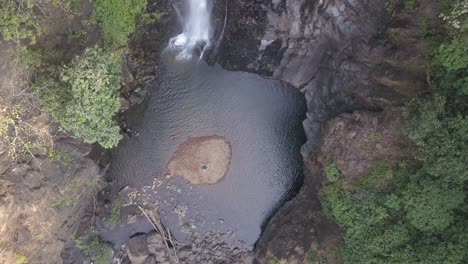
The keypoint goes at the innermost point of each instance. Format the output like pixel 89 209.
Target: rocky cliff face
pixel 287 39
pixel 336 52
pixel 345 56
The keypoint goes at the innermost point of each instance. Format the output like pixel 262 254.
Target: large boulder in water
pixel 203 160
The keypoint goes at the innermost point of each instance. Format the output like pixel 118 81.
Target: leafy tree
pixel 451 66
pixel 117 20
pixel 429 205
pixel 442 140
pixel 17 21
pixel 84 97
pixel 22 19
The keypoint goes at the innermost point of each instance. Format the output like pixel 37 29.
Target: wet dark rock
pixel 137 249
pixel 287 39
pixel 137 96
pixel 73 147
pixel 124 104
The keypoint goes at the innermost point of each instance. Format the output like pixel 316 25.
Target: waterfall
pixel 196 35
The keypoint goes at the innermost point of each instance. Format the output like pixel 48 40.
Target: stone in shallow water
pixel 202 160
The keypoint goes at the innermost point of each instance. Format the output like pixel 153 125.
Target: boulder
pixel 33 179
pixel 137 249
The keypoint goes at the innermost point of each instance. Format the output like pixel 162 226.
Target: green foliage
pixel 379 177
pixel 451 66
pixel 410 215
pixel 331 171
pixel 390 5
pixel 409 219
pixel 430 204
pixel 99 252
pixel 17 20
pixel 151 18
pixel 84 97
pixel 114 216
pixel 450 49
pixel 117 20
pixel 376 136
pixel 311 257
pixel 22 19
pixel 28 58
pixel 409 5
pixel 454 12
pixel 442 140
pixel 59 155
pixel 19 135
pixel 20 259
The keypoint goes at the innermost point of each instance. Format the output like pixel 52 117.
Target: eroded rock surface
pixel 356 141
pixel 42 202
pixel 341 54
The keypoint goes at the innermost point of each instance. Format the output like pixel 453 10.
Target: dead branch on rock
pixel 155 221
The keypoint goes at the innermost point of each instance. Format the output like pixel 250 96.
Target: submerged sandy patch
pixel 203 160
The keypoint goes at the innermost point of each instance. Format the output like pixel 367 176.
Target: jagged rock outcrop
pixel 337 52
pixel 286 39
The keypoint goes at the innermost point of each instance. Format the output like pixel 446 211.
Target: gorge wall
pixel 337 52
pixel 345 56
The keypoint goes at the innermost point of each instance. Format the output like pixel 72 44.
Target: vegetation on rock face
pixel 19 134
pixel 21 19
pixel 100 252
pixel 331 171
pixel 417 213
pixel 117 19
pixel 84 96
pixel 17 21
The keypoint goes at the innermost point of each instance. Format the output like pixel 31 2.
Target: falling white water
pixel 197 30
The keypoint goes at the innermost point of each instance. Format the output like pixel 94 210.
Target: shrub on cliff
pixel 413 215
pixel 117 20
pixel 84 96
pixel 17 21
pixel 21 19
pixel 441 138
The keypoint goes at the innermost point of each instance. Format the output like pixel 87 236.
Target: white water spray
pixel 197 30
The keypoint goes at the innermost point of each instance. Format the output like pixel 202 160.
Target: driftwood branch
pixel 155 221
